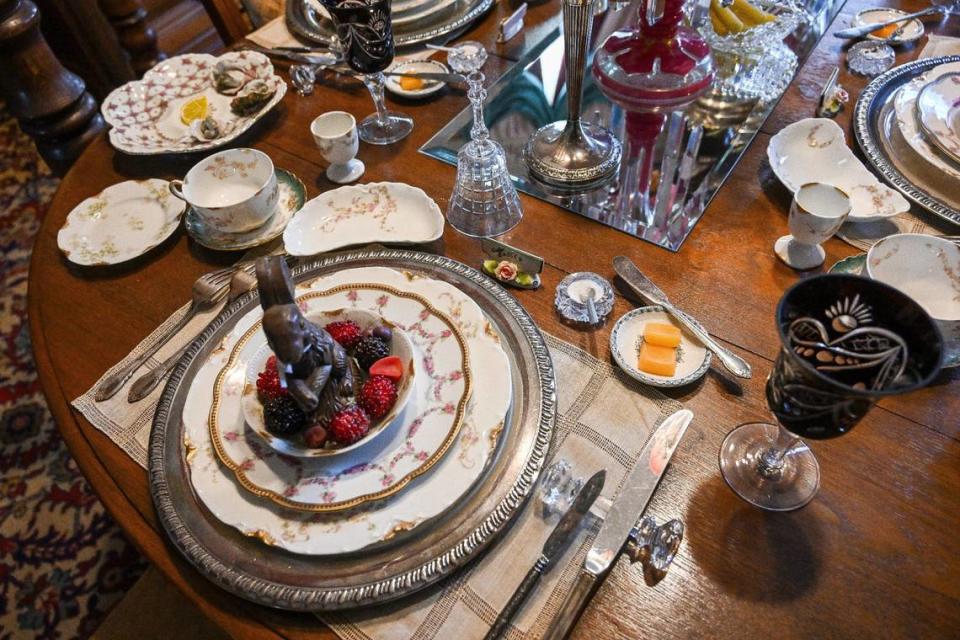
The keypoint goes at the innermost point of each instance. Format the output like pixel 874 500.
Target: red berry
pixel 349 425
pixel 391 367
pixel 347 333
pixel 377 396
pixel 315 436
pixel 268 382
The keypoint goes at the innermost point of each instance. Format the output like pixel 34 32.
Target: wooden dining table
pixel 875 555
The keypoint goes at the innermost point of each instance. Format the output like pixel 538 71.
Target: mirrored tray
pixel 878 134
pixel 409 561
pixel 533 93
pixel 306 21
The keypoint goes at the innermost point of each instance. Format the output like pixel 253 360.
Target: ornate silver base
pixel 568 154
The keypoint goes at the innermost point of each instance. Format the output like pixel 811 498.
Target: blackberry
pixel 370 350
pixel 283 417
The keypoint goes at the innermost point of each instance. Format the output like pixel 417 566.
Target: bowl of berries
pixel 380 358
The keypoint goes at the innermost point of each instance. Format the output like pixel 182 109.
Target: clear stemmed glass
pixel 846 342
pixel 366 37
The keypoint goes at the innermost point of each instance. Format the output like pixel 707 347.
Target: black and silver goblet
pixel 846 342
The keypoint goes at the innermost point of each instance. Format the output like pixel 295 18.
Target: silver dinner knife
pixel 558 541
pixel 642 285
pixel 621 533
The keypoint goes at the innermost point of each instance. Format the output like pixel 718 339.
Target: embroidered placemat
pixel 603 420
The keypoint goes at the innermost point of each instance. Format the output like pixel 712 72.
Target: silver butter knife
pixel 621 533
pixel 642 285
pixel 558 541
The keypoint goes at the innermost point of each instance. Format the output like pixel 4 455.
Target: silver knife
pixel 621 532
pixel 642 285
pixel 552 548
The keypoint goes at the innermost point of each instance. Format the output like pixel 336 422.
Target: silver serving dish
pixel 410 561
pixel 876 130
pixel 307 22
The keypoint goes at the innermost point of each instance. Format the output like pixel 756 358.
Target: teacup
pixel 927 269
pixel 816 213
pixel 234 190
pixel 335 133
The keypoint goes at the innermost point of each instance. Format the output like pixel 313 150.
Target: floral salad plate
pixel 122 222
pixel 815 150
pixel 429 495
pixel 419 439
pixel 938 111
pixel 386 212
pixel 693 359
pixel 905 103
pixel 146 115
pixel 292 196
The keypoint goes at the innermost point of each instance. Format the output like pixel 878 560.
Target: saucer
pixel 122 222
pixel 292 196
pixel 431 87
pixel 852 265
pixel 627 336
pixel 913 29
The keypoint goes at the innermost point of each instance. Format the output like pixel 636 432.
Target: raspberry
pixel 268 382
pixel 283 417
pixel 370 350
pixel 348 425
pixel 347 333
pixel 391 366
pixel 377 396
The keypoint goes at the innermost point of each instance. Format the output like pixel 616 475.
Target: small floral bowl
pixel 400 346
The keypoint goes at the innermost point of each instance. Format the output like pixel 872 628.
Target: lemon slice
pixel 194 109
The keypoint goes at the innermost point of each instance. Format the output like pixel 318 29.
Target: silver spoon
pixel 587 298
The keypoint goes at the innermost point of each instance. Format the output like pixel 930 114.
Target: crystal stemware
pixel 366 38
pixel 484 201
pixel 846 342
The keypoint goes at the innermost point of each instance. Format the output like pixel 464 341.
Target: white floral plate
pixel 120 223
pixel 257 352
pixel 431 87
pixel 430 495
pixel 292 196
pixel 815 150
pixel 693 359
pixel 145 114
pixel 938 110
pixel 905 103
pixel 387 212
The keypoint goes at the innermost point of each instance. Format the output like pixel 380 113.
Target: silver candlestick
pixel 570 153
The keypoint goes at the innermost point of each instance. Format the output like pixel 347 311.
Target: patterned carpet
pixel 63 561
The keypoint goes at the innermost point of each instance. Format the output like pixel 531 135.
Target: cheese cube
pixel 658 360
pixel 661 334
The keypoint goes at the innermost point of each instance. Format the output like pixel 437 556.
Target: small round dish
pixel 852 265
pixel 693 359
pixel 292 196
pixel 400 346
pixel 430 87
pixel 570 302
pixel 122 222
pixel 913 29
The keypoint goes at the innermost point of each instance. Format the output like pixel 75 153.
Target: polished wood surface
pixel 874 555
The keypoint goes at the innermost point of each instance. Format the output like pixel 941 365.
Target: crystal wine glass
pixel 846 342
pixel 366 37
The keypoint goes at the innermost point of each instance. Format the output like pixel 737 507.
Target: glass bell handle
pixel 654 546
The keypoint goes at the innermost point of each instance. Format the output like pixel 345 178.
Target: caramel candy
pixel 661 334
pixel 657 359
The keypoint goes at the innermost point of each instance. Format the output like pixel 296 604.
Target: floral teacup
pixel 335 133
pixel 234 190
pixel 816 213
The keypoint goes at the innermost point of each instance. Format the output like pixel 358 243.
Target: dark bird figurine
pixel 313 366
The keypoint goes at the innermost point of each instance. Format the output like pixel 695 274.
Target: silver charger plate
pixel 410 561
pixel 305 21
pixel 876 130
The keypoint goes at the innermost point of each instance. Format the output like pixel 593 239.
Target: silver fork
pixel 208 289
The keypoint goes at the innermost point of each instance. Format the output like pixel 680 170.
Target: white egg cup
pixel 335 133
pixel 816 213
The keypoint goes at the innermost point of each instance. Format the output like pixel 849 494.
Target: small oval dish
pixel 912 30
pixel 429 88
pixel 400 346
pixel 387 212
pixel 693 359
pixel 122 222
pixel 815 150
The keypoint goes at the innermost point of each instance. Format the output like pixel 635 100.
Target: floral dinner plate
pixel 905 104
pixel 120 223
pixel 938 110
pixel 145 115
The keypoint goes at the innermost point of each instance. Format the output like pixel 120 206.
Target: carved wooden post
pixel 138 39
pixel 51 103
